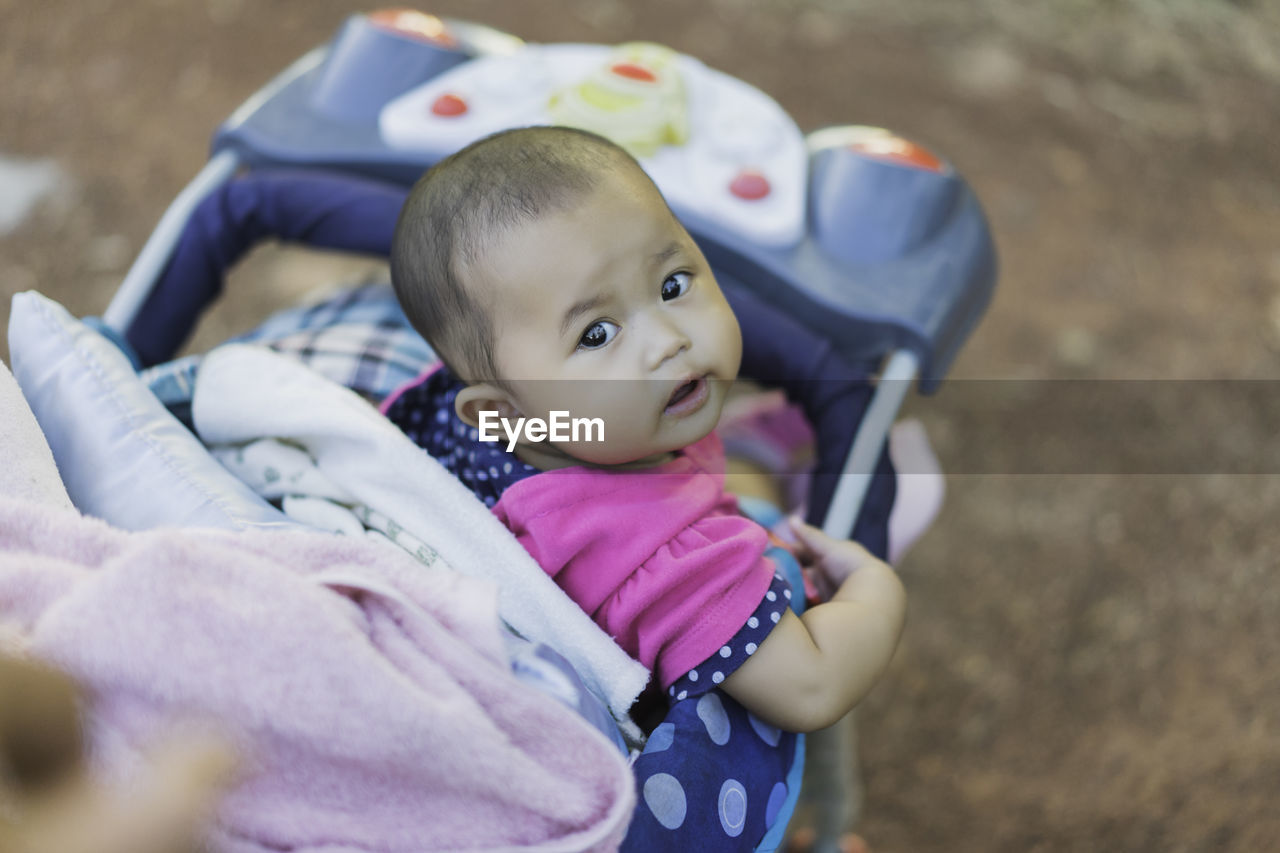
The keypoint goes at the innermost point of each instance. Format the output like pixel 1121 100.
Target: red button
pixel 633 72
pixel 749 185
pixel 449 106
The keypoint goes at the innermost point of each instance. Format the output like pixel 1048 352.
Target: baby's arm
pixel 811 670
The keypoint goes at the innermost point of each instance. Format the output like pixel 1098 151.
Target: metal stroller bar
pixel 896 379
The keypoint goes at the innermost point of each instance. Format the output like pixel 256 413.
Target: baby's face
pixel 609 310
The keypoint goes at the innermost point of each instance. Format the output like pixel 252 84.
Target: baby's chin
pixel 548 457
pixel 633 456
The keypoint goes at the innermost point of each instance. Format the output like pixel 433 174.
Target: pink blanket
pixel 370 697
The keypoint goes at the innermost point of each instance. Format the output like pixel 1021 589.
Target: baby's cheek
pixel 620 436
pixel 595 398
pixel 730 346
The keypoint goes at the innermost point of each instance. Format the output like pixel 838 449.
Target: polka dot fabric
pixel 714 670
pixel 425 413
pixel 712 776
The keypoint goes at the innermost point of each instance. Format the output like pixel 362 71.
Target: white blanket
pixel 290 432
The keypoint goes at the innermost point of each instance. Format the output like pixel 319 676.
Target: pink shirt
pixel 661 558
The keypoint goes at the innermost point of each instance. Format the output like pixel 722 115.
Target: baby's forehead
pixel 493 259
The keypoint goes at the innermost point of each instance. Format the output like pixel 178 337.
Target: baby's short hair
pixel 464 202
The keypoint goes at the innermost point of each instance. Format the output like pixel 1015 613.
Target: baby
pixel 546 269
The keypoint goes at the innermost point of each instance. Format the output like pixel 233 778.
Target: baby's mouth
pixel 688 396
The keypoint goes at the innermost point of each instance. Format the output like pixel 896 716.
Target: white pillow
pixel 123 457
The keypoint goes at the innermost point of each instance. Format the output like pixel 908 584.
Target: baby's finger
pixel 817 585
pixel 802 537
pixel 812 537
pixel 841 556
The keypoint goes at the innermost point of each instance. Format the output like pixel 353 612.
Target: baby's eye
pixel 676 285
pixel 599 334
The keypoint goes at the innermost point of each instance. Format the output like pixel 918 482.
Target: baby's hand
pixel 828 562
pixel 812 669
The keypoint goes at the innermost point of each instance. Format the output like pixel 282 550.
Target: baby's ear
pixel 484 397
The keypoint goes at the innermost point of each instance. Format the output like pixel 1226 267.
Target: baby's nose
pixel 669 340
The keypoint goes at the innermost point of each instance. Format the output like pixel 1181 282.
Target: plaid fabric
pixel 358 337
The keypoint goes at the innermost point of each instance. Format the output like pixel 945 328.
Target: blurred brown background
pixel 1091 657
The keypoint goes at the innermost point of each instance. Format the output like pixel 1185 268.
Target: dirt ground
pixel 1091 660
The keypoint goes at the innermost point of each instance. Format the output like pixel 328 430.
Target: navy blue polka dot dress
pixel 711 776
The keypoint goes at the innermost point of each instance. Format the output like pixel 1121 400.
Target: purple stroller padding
pixel 319 209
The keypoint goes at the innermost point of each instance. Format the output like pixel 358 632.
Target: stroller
pixel 857 262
